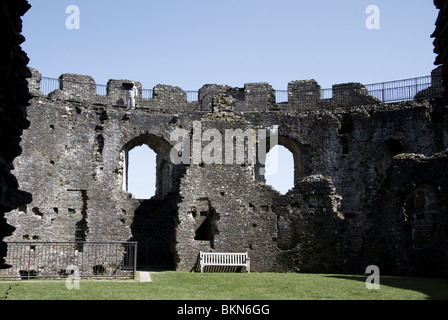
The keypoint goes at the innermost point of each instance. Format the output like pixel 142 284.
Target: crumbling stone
pixel 329 222
pixel 14 96
pixel 304 93
pixel 352 94
pixel 370 184
pixel 440 36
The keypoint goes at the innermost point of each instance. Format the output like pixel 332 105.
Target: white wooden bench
pixel 225 259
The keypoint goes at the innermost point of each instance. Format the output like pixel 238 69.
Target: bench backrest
pixel 224 258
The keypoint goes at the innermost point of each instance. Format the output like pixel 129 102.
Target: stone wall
pixel 236 210
pixel 440 36
pixel 310 227
pixel 14 98
pixel 74 162
pixel 412 223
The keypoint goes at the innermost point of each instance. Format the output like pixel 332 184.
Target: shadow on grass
pixel 433 288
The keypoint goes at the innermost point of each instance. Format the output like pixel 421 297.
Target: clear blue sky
pixel 190 43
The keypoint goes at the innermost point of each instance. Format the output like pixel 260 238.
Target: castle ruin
pixel 370 178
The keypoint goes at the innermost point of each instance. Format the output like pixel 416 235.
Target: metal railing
pixel 404 90
pixel 387 92
pixel 30 260
pixel 384 92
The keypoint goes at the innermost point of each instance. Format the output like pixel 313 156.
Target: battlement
pixel 252 97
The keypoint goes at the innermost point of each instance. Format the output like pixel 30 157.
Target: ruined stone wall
pixel 14 98
pixel 239 211
pixel 440 36
pixel 410 227
pixel 74 163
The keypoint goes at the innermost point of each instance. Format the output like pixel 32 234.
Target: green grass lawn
pixel 231 286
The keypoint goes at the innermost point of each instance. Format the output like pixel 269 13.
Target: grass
pixel 231 286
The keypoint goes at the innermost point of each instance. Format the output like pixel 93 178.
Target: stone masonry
pixel 370 178
pixel 440 36
pixel 14 98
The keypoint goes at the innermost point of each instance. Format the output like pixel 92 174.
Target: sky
pixel 191 43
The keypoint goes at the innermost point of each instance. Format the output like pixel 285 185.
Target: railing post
pixel 416 87
pixel 82 258
pixel 135 258
pixel 29 262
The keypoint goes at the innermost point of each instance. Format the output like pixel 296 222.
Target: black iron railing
pixel 384 92
pixel 58 259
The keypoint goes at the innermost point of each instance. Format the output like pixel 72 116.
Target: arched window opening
pixel 279 169
pixel 145 167
pixel 141 177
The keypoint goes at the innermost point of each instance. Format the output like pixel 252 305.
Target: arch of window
pixel 146 158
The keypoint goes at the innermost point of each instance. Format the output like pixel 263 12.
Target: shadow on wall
pixel 153 228
pixel 13 116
